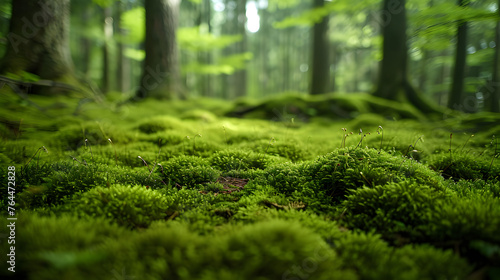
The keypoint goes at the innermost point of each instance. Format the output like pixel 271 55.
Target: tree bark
pixel 393 80
pixel 457 85
pixel 320 61
pixel 160 76
pixel 240 76
pixel 122 70
pixel 108 34
pixel 38 41
pixel 492 98
pixel 392 73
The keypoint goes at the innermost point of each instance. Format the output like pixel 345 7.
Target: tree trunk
pixel 393 80
pixel 85 45
pixel 38 41
pixel 320 62
pixel 123 67
pixel 392 73
pixel 457 84
pixel 108 34
pixel 160 76
pixel 240 76
pixel 492 97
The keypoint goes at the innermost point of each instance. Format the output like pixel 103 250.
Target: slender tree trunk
pixel 320 61
pixel 122 65
pixel 160 76
pixel 457 85
pixel 493 92
pixel 240 76
pixel 85 44
pixel 392 74
pixel 38 41
pixel 393 80
pixel 286 59
pixel 422 81
pixel 108 34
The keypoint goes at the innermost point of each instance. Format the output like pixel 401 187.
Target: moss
pixel 385 214
pixel 64 246
pixel 132 207
pixel 478 187
pixel 372 258
pixel 199 115
pixel 394 210
pixel 158 124
pixel 464 166
pixel 455 221
pixel 189 171
pixel 237 160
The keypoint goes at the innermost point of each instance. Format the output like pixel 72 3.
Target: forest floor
pixel 292 187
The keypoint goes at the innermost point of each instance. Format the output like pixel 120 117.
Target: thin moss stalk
pixel 116 156
pixel 380 130
pixel 472 135
pixel 90 147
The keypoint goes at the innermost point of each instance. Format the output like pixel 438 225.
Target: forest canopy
pixel 257 48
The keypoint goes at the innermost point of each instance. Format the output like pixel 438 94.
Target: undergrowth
pixel 193 194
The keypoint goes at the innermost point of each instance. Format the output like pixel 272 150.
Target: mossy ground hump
pixel 191 193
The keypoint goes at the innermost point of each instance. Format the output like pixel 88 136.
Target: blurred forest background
pixel 256 48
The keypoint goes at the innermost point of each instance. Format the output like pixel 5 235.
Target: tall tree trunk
pixel 85 43
pixel 493 92
pixel 38 41
pixel 392 73
pixel 160 76
pixel 457 85
pixel 108 34
pixel 320 62
pixel 123 67
pixel 393 80
pixel 240 76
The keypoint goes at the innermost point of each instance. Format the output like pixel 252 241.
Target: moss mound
pixel 132 207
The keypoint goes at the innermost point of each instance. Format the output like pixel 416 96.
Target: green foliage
pixel 191 38
pixel 104 3
pixel 132 207
pixel 23 76
pixel 315 15
pixel 225 65
pixel 134 22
